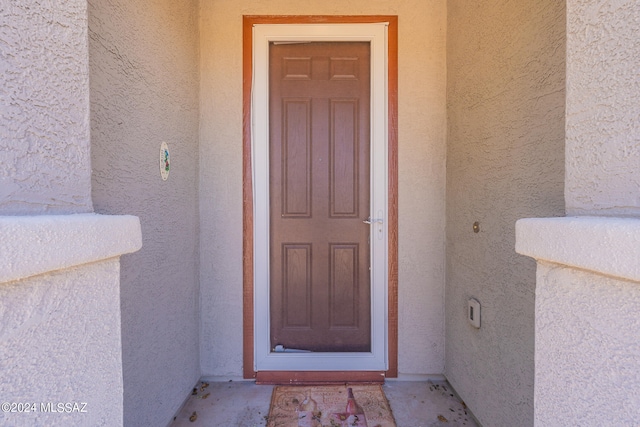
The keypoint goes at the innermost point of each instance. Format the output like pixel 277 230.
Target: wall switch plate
pixel 473 312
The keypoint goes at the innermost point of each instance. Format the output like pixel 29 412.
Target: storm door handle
pixel 373 221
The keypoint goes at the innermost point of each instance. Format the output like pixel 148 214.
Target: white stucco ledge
pixel 31 245
pixel 608 246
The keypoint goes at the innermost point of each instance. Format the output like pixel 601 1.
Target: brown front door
pixel 319 196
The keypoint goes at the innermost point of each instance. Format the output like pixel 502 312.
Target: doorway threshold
pixel 319 377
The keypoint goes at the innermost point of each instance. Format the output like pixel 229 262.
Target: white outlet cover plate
pixel 473 312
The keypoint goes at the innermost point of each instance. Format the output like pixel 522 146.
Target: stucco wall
pixel 422 129
pixel 504 161
pixel 603 130
pixel 144 90
pixel 588 342
pixel 60 343
pixel 44 108
pixel 587 325
pixel 588 295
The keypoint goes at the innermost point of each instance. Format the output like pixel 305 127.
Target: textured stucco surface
pixel 44 108
pixel 608 246
pixel 587 349
pixel 31 245
pixel 603 86
pixel 60 343
pixel 587 326
pixel 144 90
pixel 505 157
pixel 422 131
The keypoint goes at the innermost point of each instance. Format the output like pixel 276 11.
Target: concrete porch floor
pixel 245 404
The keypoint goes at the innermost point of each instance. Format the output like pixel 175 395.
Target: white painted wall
pixel 60 337
pixel 144 90
pixel 505 157
pixel 422 131
pixel 44 108
pixel 603 87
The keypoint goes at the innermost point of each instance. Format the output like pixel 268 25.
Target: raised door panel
pixel 296 158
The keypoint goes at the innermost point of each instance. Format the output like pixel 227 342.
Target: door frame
pixel 249 222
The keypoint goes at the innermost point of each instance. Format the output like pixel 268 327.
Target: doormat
pixel 330 406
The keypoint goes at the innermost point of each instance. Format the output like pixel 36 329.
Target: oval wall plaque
pixel 165 161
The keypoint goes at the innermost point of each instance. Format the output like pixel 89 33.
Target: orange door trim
pixel 247 189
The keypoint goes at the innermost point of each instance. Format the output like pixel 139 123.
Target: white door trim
pixel 264 358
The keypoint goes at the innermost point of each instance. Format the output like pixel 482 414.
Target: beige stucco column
pixel 60 337
pixel 587 351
